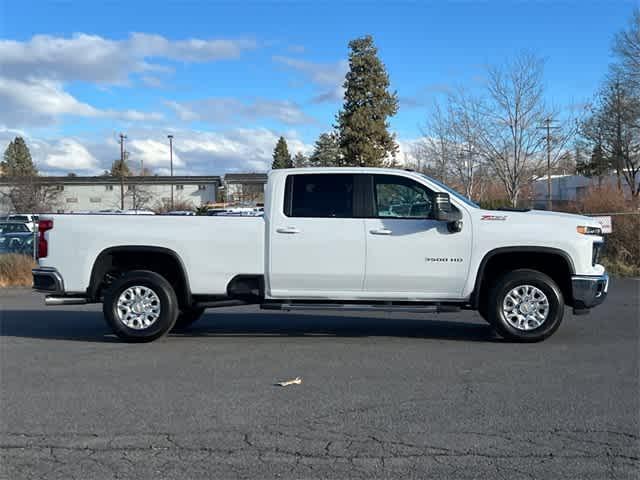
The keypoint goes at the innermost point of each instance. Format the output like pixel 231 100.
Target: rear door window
pixel 320 195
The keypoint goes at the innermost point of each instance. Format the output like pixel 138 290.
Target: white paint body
pixel 322 258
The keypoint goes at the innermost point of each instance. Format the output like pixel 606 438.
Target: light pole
pixel 122 139
pixel 170 137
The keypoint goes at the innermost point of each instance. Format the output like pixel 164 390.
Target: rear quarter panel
pixel 212 249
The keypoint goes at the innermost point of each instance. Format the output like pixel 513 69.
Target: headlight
pixel 584 230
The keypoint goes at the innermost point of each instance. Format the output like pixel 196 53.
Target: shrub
pixel 621 254
pixel 15 270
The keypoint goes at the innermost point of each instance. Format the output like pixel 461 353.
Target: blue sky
pixel 227 78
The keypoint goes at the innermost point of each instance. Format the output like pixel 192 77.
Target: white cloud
pixel 194 153
pixel 38 102
pixel 96 59
pixel 69 154
pixel 406 151
pixel 41 102
pixel 327 77
pixel 34 72
pixel 230 110
pixel 190 50
pixel 152 153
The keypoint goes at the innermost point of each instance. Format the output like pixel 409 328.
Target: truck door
pixel 316 247
pixel 409 254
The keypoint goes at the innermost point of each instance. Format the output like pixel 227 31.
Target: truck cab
pixel 332 238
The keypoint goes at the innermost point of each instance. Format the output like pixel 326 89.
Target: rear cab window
pixel 325 195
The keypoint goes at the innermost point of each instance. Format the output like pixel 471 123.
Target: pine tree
pixel 326 152
pixel 120 168
pixel 364 136
pixel 300 160
pixel 17 160
pixel 281 155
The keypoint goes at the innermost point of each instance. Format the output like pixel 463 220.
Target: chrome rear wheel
pixel 138 307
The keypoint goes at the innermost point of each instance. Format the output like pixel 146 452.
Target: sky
pixel 226 79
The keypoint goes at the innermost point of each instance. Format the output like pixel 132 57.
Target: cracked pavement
pixel 383 396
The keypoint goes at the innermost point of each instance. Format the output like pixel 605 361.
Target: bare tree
pixel 514 108
pixel 627 48
pixel 29 195
pixel 466 122
pixel 614 130
pixel 436 149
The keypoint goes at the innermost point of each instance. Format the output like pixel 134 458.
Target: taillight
pixel 43 247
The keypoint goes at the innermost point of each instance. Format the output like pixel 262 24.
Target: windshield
pixel 13 227
pixel 452 192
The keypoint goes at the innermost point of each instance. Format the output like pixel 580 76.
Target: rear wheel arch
pixel 120 259
pixel 554 262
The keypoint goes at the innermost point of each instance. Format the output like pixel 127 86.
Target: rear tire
pixel 525 305
pixel 140 306
pixel 188 316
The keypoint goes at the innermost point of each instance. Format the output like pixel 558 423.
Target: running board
pixel 51 301
pixel 361 307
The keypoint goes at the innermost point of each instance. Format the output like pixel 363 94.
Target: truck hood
pixel 538 216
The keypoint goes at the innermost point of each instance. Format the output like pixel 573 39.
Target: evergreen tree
pixel 595 166
pixel 300 160
pixel 17 160
pixel 120 168
pixel 364 136
pixel 281 155
pixel 326 152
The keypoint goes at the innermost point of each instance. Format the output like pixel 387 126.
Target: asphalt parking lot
pixel 388 396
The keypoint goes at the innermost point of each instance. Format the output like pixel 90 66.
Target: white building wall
pixel 76 197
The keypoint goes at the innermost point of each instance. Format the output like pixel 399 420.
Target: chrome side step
pixel 52 301
pixel 360 307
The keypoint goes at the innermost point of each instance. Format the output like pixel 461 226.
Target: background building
pixel 78 194
pixel 566 189
pixel 243 188
pixel 81 194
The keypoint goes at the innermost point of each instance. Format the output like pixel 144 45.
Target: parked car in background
pixel 13 227
pixel 21 242
pixel 30 220
pixel 187 213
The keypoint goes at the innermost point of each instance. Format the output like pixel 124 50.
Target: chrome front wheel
pixel 525 307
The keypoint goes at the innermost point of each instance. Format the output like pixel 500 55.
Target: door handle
pixel 381 231
pixel 289 230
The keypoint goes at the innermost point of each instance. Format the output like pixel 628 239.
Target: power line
pixel 548 127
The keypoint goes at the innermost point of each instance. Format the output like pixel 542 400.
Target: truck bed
pixel 212 249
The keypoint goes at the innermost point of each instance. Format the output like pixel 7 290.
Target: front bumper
pixel 589 291
pixel 47 279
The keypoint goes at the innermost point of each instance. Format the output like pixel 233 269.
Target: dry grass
pixel 621 254
pixel 15 270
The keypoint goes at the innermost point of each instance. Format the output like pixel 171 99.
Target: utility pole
pixel 122 139
pixel 548 127
pixel 171 165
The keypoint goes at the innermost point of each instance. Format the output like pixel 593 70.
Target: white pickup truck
pixel 330 238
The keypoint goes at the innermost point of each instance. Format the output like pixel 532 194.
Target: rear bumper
pixel 589 291
pixel 47 279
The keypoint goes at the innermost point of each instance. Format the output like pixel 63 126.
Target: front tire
pixel 140 306
pixel 525 305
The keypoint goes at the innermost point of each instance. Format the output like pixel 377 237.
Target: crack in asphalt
pixel 55 443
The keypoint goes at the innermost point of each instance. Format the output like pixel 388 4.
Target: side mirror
pixel 444 212
pixel 442 207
